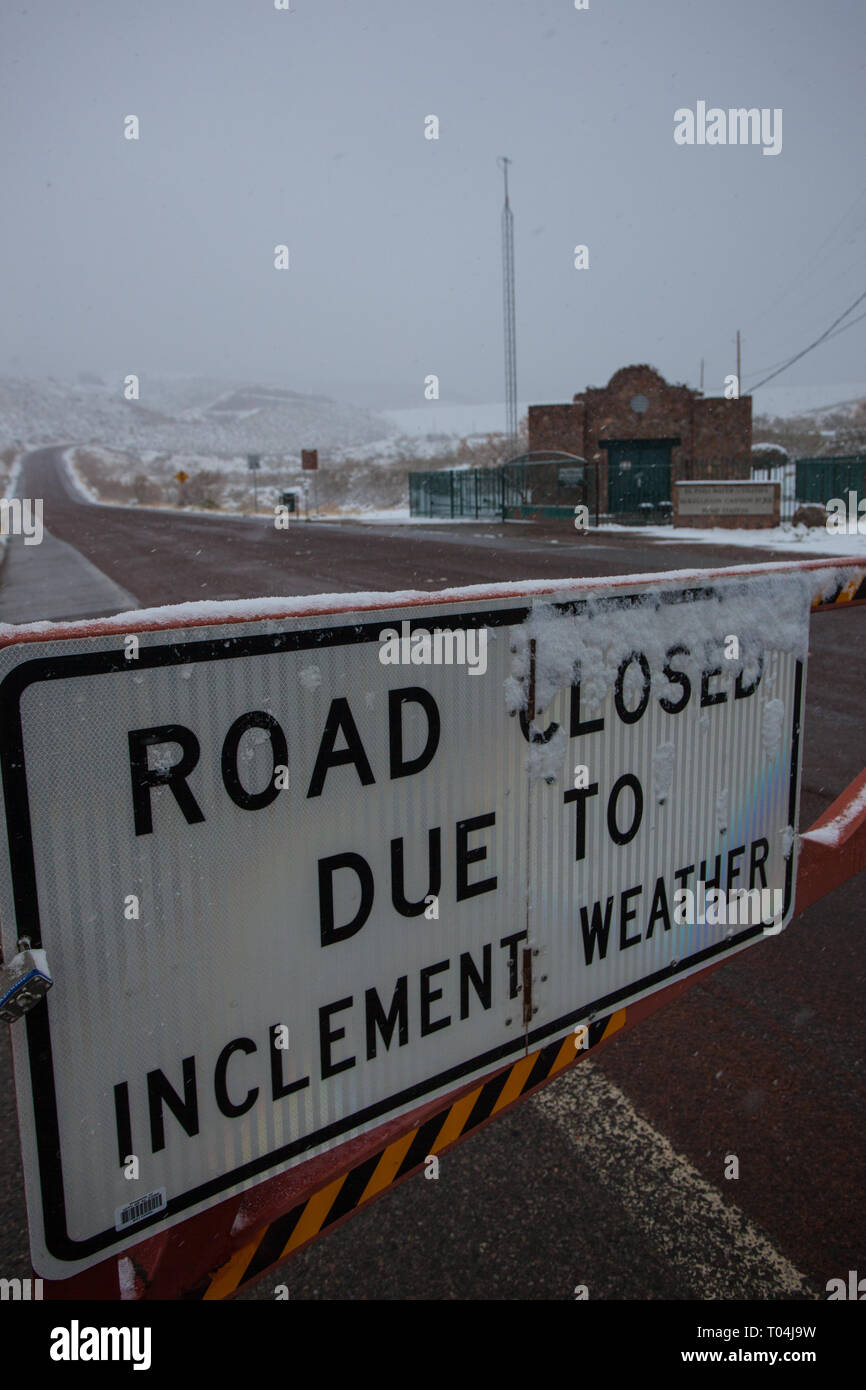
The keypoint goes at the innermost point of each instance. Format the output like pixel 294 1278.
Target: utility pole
pixel 508 308
pixel 702 376
pixel 739 377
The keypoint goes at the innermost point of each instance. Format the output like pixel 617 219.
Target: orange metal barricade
pixel 212 1255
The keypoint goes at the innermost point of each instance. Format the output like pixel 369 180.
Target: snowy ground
pixel 811 540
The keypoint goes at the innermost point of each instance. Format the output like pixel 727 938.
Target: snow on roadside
pixel 370 515
pixel 70 468
pixel 86 491
pixel 811 540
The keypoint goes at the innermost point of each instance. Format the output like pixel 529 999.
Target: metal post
pixel 739 378
pixel 508 308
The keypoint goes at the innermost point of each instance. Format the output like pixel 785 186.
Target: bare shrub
pixel 204 489
pixel 147 491
pixel 353 483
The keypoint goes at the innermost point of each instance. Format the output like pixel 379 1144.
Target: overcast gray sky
pixel 260 127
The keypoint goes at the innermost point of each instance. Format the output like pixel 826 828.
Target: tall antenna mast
pixel 508 307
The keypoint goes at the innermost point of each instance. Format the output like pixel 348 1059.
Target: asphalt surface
pixel 614 1176
pixel 163 557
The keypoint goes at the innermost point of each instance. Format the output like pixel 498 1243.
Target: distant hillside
pixel 786 402
pixel 196 415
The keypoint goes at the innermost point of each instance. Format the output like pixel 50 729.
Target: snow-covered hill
pixel 195 415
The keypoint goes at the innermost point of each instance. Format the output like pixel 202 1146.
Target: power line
pixel 823 292
pixel 782 360
pixel 771 367
pixel 810 261
pixel 846 326
pixel 796 358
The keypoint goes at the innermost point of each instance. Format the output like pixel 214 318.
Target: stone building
pixel 645 435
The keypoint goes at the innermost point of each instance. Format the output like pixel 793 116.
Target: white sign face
pixel 282 881
pixel 727 499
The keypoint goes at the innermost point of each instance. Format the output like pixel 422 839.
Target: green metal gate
pixel 456 492
pixel 639 480
pixel 543 486
pixel 534 485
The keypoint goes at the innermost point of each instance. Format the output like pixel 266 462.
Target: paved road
pixel 165 557
pixel 612 1177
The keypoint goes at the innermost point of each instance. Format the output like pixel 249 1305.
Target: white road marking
pixel 717 1249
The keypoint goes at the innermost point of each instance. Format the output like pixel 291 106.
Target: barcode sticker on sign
pixel 139 1209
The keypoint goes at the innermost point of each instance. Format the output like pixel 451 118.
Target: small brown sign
pixel 309 459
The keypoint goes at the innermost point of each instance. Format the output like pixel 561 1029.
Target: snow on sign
pixel 285 869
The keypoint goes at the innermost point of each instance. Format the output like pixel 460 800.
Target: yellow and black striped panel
pixel 852 591
pixel 288 1233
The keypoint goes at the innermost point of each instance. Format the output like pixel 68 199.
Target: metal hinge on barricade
pixel 23 982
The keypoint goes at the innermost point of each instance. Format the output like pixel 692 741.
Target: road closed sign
pixel 295 875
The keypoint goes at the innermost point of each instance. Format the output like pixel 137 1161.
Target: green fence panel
pixel 819 479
